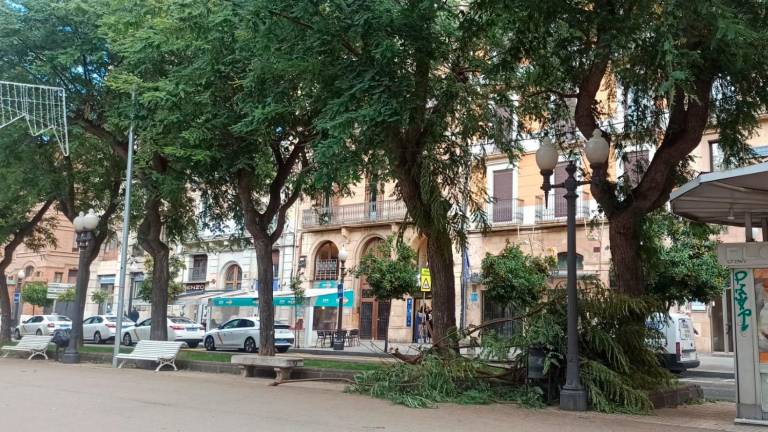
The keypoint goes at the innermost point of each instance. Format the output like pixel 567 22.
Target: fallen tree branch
pixel 276 383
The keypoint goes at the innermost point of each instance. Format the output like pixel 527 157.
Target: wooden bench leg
pixel 282 374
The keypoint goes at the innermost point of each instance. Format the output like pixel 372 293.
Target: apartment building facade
pixel 517 214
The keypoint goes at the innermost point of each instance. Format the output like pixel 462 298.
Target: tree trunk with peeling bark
pixel 266 310
pixel 149 236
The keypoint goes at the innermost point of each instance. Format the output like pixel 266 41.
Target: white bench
pixel 34 345
pixel 282 365
pixel 162 352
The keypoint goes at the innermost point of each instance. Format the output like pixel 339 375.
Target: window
pixel 199 268
pixel 244 323
pixel 327 262
pixel 561 205
pixel 493 310
pixel 98 320
pixel 636 162
pixel 231 324
pixel 233 278
pixel 88 321
pixel 275 263
pixel 503 204
pixel 716 157
pixel 58 277
pixel 145 323
pixel 562 261
pixel 72 276
pixel 28 272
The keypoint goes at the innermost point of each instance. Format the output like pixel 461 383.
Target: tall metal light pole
pixel 124 245
pixel 573 396
pixel 84 226
pixel 338 340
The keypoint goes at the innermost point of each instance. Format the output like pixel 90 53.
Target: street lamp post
pixel 17 295
pixel 573 396
pixel 84 226
pixel 338 341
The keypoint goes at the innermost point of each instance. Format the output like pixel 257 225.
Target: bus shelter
pixel 739 198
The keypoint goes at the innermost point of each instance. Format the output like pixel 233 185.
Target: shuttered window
pixel 503 203
pixel 561 205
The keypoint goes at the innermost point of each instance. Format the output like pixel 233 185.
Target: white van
pixel 677 343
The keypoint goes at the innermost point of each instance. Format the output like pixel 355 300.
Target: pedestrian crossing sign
pixel 426 280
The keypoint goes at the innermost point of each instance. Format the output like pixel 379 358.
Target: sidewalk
pixel 132 399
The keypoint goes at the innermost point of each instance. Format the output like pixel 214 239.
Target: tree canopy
pixel 513 278
pixel 649 73
pixel 390 269
pixel 680 259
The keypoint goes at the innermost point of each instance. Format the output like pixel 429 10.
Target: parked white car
pixel 101 328
pixel 180 329
pixel 243 334
pixel 42 325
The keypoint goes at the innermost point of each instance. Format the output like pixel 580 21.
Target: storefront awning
pixel 725 197
pixel 315 297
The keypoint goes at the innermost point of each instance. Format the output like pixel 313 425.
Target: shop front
pixel 319 310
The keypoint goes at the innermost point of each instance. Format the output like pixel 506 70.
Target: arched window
pixel 29 271
pixel 233 278
pixel 562 261
pixel 327 262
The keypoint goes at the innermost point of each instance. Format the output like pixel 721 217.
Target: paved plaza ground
pixel 44 395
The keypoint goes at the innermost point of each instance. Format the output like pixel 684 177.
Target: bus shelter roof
pixel 725 197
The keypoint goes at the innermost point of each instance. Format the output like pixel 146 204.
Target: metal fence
pixel 507 211
pixel 360 213
pixel 557 210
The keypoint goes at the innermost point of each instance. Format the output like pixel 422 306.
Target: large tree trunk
pixel 5 309
pixel 8 250
pixel 87 257
pixel 625 252
pixel 440 253
pixel 266 309
pixel 149 236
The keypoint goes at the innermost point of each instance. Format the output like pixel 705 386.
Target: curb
pixel 707 374
pixel 228 368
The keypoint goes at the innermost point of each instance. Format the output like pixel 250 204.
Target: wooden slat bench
pixel 283 366
pixel 34 345
pixel 162 352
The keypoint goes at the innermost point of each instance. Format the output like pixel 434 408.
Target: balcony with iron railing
pixel 557 210
pixel 506 212
pixel 197 274
pixel 354 214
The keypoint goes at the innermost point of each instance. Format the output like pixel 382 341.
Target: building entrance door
pixel 373 318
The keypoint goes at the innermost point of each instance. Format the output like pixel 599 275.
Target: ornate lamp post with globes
pixel 338 340
pixel 84 226
pixel 573 396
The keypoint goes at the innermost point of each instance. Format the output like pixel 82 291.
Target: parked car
pixel 243 334
pixel 180 329
pixel 678 349
pixel 101 328
pixel 42 325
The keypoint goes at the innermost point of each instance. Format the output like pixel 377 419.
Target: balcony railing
pixel 197 274
pixel 350 214
pixel 507 211
pixel 557 211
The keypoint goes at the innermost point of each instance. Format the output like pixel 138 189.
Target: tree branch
pixel 344 42
pixel 18 237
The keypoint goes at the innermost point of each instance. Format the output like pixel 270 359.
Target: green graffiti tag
pixel 741 297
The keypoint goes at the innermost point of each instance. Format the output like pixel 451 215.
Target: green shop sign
pixel 327 300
